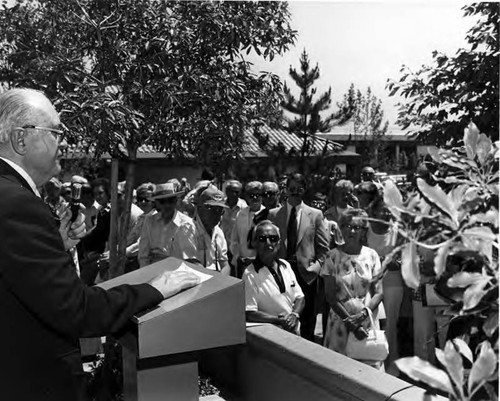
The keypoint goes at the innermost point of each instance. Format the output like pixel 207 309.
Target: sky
pixel 366 43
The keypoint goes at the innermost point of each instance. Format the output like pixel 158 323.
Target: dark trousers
pixel 308 315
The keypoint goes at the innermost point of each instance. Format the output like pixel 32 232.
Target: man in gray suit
pixel 304 243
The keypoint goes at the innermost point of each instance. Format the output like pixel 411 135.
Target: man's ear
pixel 17 141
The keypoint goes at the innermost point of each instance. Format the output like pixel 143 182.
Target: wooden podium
pixel 159 346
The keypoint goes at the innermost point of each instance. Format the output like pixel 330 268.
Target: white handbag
pixel 373 348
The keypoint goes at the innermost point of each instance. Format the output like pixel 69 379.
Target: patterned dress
pixel 354 275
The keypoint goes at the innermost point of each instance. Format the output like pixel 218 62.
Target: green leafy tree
pixel 309 120
pixel 454 214
pixel 168 74
pixel 443 97
pixel 367 115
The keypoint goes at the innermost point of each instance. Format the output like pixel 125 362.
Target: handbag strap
pixel 370 316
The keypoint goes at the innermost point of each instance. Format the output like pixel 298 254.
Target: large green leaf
pixel 464 279
pixel 423 371
pixel 483 368
pixel 474 293
pixel 409 265
pixel 463 348
pixel 471 135
pixel 393 197
pixel 491 324
pixel 481 232
pixel 440 199
pixel 441 256
pixel 451 359
pixel 483 148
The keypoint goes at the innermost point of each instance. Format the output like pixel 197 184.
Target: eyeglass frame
pixel 56 133
pixel 273 238
pixel 269 194
pixel 353 227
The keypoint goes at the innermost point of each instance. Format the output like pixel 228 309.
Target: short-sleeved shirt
pixel 159 240
pixel 262 292
pixel 211 252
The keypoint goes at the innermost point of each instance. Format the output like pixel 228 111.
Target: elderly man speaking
pixel 45 307
pixel 272 292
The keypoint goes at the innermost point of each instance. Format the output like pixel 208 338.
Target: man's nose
pixel 63 145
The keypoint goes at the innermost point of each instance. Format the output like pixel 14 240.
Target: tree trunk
pixel 112 242
pixel 125 217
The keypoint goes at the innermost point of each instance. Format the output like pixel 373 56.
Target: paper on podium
pixel 183 267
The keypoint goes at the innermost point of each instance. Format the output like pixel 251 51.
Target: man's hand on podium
pixel 171 283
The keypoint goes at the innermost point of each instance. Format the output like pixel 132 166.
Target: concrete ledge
pixel 277 365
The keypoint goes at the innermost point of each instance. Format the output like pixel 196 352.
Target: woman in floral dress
pixel 352 277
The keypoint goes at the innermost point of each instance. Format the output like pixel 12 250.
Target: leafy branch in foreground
pixel 454 214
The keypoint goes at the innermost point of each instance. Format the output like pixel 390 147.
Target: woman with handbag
pixel 353 287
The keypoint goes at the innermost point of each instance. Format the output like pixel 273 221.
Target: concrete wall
pixel 276 365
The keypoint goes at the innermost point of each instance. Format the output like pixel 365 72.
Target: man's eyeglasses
pixel 269 194
pixel 353 227
pixel 57 133
pixel 254 196
pixel 272 238
pixel 140 200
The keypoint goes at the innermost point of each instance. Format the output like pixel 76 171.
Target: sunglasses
pixel 318 203
pixel 272 238
pixel 140 200
pixel 254 196
pixel 269 194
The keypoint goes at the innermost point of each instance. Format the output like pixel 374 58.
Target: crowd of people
pixel 299 256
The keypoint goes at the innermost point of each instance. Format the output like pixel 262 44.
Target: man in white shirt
pixel 210 243
pixel 168 232
pixel 272 293
pixel 235 203
pixel 305 243
pixel 240 245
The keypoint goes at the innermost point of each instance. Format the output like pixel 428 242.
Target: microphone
pixel 76 193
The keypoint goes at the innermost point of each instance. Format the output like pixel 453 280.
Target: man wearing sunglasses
pixel 241 237
pixel 46 306
pixel 305 243
pixel 168 232
pixel 272 293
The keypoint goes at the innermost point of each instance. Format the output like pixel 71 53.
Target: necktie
pixel 278 277
pixel 291 235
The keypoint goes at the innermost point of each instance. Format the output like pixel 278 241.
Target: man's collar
pixel 258 264
pixel 297 208
pixel 23 174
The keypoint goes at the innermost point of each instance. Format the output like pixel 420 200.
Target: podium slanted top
pixel 209 315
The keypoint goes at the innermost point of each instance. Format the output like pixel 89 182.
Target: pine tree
pixel 309 120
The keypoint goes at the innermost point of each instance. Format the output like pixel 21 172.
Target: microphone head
pixel 76 191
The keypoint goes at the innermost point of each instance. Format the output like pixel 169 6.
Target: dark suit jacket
pixel 312 239
pixel 44 306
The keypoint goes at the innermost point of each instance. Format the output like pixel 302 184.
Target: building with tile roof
pixel 268 153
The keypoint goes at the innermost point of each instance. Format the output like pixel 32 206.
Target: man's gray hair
pixel 16 110
pixel 261 225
